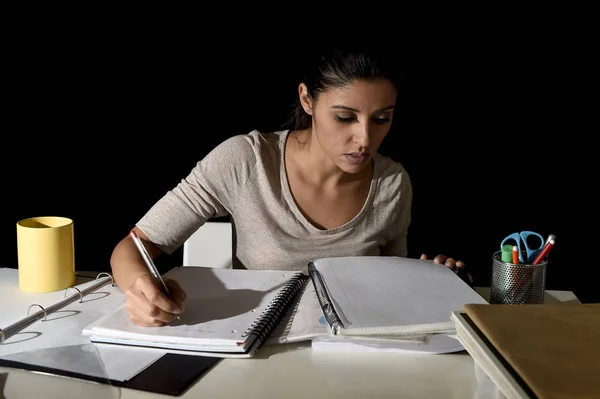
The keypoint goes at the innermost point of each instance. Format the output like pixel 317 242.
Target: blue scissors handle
pixel 523 236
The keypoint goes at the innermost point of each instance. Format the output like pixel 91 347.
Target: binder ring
pixel 112 280
pixel 1 336
pixel 40 306
pixel 75 288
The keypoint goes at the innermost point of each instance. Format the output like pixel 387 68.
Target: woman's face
pixel 350 122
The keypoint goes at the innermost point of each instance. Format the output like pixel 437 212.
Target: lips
pixel 356 158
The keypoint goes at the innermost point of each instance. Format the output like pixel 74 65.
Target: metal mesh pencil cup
pixel 517 283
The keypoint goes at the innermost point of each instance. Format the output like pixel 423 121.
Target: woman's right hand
pixel 148 306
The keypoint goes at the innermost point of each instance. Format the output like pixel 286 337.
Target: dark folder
pixel 172 374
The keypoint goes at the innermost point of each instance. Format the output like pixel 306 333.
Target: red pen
pixel 515 255
pixel 544 252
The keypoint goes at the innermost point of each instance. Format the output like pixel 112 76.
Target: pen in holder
pixel 521 283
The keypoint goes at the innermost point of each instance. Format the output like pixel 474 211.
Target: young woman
pixel 316 189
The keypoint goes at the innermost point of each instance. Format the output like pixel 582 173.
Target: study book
pixel 535 350
pixel 388 295
pixel 228 313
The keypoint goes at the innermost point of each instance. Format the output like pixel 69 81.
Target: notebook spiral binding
pixel 268 319
pixel 290 322
pixel 14 328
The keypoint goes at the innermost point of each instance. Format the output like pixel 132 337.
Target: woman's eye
pixel 345 120
pixel 382 121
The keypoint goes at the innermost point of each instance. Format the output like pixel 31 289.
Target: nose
pixel 362 136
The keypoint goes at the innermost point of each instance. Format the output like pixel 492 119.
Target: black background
pixel 97 127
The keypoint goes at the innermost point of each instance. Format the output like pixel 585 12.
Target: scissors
pixel 524 236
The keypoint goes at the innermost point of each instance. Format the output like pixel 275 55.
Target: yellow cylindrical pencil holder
pixel 46 254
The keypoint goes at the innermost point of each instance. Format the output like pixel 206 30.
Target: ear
pixel 305 98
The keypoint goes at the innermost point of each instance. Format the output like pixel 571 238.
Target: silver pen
pixel 160 283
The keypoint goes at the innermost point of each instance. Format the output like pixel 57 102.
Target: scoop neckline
pixel 296 209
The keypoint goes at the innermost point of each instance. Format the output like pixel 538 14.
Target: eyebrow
pixel 389 107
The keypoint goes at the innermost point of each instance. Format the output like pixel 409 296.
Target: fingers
pixel 450 263
pixel 145 314
pixel 470 278
pixel 147 306
pixel 178 295
pixel 465 276
pixel 442 259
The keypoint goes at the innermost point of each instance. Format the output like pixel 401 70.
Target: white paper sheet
pixel 425 344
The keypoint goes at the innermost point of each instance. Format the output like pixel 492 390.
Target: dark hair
pixel 339 68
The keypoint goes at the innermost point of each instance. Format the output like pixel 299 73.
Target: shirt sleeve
pixel 207 191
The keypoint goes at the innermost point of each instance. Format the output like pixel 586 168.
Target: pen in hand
pixel 156 277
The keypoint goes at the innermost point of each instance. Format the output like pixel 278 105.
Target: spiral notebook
pixel 388 295
pixel 228 313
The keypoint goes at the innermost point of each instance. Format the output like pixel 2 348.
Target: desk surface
pixel 294 371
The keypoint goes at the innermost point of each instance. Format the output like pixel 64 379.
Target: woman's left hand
pixel 457 266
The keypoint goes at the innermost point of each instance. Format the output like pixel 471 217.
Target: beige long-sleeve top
pixel 245 177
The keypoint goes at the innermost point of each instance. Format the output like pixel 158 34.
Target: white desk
pixel 294 371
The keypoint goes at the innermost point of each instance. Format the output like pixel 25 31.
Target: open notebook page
pixel 221 306
pixel 393 295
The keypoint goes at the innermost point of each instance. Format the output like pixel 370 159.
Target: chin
pixel 353 169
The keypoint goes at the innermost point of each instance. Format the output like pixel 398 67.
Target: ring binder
pixel 75 288
pixel 14 328
pixel 41 307
pixel 112 280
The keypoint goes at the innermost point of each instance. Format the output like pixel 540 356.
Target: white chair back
pixel 210 246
